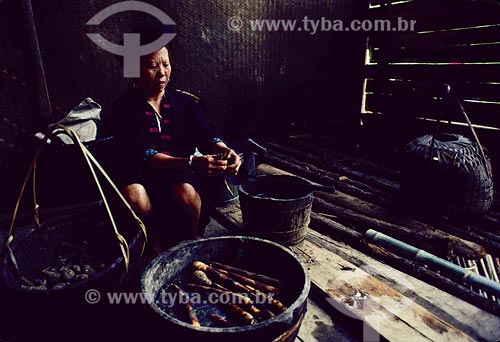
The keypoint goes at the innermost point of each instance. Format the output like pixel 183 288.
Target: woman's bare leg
pixel 190 200
pixel 138 198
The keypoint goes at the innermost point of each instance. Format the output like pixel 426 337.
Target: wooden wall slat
pixel 444 73
pixel 487 34
pixel 465 90
pixel 437 53
pixel 375 2
pixel 432 15
pixel 486 114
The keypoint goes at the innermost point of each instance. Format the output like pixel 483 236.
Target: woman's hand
pixel 233 163
pixel 209 165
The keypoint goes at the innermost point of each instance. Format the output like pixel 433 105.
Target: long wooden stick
pixel 36 56
pixel 275 305
pixel 488 240
pixel 245 280
pixel 326 163
pixel 491 267
pixel 219 320
pixel 184 301
pixel 203 279
pixel 439 242
pixel 317 173
pixel 210 271
pixel 243 316
pixel 305 171
pixel 257 276
pixel 361 164
pixel 486 274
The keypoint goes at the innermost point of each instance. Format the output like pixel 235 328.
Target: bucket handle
pixel 292 330
pixel 92 163
pixel 448 92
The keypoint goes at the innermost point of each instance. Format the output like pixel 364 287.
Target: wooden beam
pixel 341 170
pixel 36 56
pixel 323 147
pixel 435 240
pixel 325 177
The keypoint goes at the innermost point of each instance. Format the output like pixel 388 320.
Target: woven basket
pixel 447 173
pixel 450 179
pixel 26 255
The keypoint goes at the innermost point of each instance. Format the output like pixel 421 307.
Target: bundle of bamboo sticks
pixel 244 297
pixel 485 267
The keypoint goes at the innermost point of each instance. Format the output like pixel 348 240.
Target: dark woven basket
pixel 451 178
pixel 36 250
pixel 43 243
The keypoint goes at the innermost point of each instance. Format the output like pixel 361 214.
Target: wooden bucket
pixel 275 210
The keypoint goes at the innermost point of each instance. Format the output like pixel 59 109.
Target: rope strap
pixel 92 164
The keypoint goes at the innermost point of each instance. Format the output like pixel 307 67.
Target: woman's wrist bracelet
pixel 190 163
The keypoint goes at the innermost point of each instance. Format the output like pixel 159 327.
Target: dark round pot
pixel 257 255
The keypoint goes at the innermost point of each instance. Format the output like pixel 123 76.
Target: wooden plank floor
pixel 396 306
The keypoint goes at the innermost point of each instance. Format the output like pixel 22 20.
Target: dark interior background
pixel 254 84
pixel 261 84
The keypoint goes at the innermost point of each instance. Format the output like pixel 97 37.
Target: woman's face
pixel 155 72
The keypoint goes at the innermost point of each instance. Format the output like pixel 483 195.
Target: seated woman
pixel 157 130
